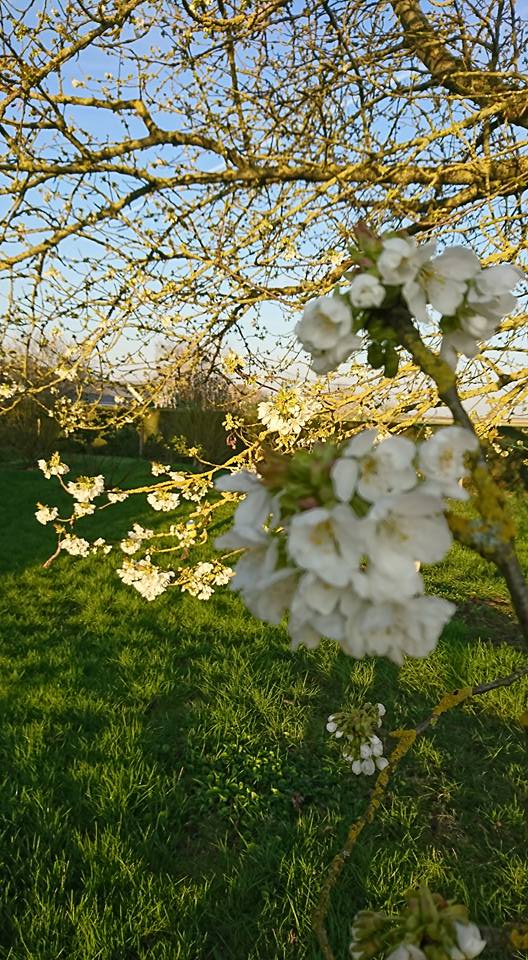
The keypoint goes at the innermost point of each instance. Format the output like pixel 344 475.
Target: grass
pixel 168 791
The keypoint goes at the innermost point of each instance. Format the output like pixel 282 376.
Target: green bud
pixel 376 355
pixel 392 361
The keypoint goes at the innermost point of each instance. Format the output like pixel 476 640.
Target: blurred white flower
pixel 375 470
pixel 406 951
pixel 365 291
pixel 395 630
pixel 441 460
pixel 326 541
pixel 469 939
pixel 490 294
pixel 325 321
pixel 83 509
pixel 325 332
pixel 251 514
pixel 401 258
pixel 442 282
pixel 325 361
pixel 101 545
pixel 158 469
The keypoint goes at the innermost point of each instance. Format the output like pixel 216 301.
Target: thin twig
pixel 406 740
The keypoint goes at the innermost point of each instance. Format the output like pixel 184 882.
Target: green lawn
pixel 167 787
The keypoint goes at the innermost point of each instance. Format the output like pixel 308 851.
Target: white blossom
pixel 327 542
pixel 53 467
pixel 406 951
pixel 251 515
pixel 490 295
pixel 325 332
pixel 83 509
pixel 286 414
pixel 410 526
pixel 145 577
pixel 46 514
pixel 75 546
pixel 140 533
pixel 366 291
pixel 7 391
pixel 374 471
pixel 395 630
pixel 441 282
pixel 101 545
pixel 441 460
pixel 270 599
pixel 117 496
pixel 130 546
pixel 163 500
pixel 86 488
pixel 324 361
pixel 469 939
pixel 158 469
pixel 325 321
pixel 401 258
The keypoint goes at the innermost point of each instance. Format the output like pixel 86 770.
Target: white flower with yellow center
pixel 441 461
pixel 374 471
pixel 163 500
pixel 404 528
pixel 53 467
pixel 327 542
pixel 145 577
pixel 75 546
pixel 441 282
pixel 325 333
pixel 46 514
pixel 85 489
pixel 401 258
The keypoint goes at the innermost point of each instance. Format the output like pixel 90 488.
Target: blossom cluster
pixel 46 514
pixel 164 500
pixel 199 581
pixel 332 538
pixel 86 489
pixel 287 413
pixel 53 467
pixel 395 269
pixel 428 928
pixel 148 579
pixel 360 745
pixel 134 539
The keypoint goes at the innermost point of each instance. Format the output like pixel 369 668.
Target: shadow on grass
pixel 172 791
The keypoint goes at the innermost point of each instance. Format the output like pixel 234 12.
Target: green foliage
pixel 167 788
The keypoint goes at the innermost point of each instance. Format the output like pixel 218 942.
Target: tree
pixel 216 158
pixel 287 126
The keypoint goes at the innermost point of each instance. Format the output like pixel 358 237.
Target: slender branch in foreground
pixel 47 563
pixel 406 740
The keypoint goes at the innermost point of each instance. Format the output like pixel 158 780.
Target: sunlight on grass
pixel 168 788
